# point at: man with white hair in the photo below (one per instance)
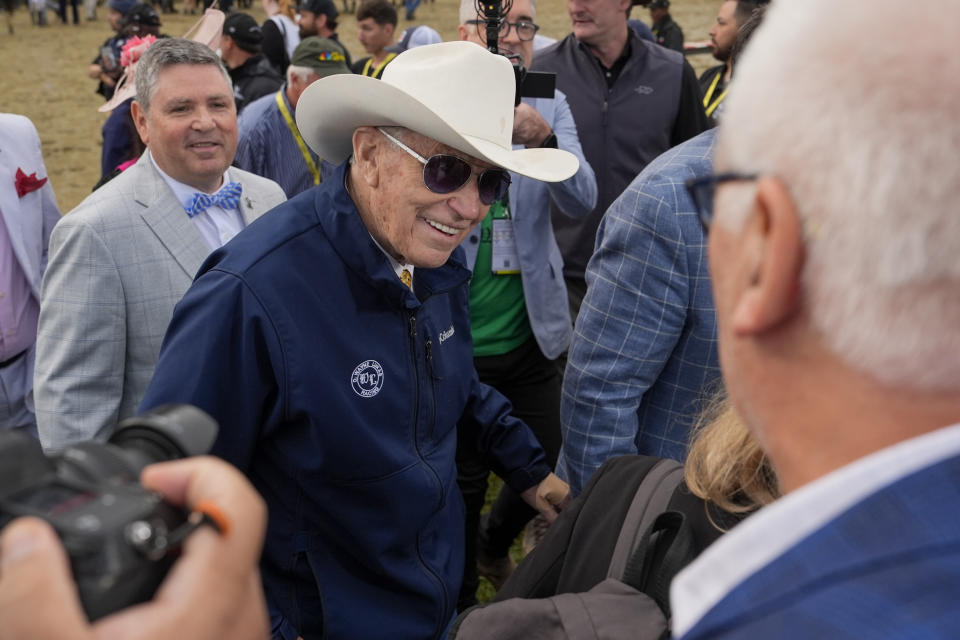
(833, 255)
(332, 344)
(270, 144)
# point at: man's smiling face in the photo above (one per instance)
(191, 127)
(411, 222)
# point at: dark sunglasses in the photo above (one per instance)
(702, 191)
(445, 173)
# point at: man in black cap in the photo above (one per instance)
(667, 32)
(142, 20)
(251, 73)
(319, 18)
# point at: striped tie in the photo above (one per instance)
(227, 198)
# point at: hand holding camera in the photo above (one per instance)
(213, 590)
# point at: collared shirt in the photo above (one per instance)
(398, 267)
(217, 225)
(19, 310)
(774, 529)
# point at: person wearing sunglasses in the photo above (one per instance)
(519, 317)
(332, 343)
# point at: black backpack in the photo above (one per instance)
(604, 568)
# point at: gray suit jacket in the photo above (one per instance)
(118, 265)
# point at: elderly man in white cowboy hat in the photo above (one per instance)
(332, 343)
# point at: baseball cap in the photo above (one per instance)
(318, 7)
(143, 15)
(659, 4)
(244, 30)
(123, 6)
(322, 55)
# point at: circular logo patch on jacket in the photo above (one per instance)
(367, 378)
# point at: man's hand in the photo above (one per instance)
(549, 497)
(213, 590)
(529, 127)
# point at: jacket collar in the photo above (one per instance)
(338, 217)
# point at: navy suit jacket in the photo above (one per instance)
(889, 567)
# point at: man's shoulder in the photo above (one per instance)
(113, 201)
(255, 114)
(12, 123)
(654, 52)
(897, 542)
(255, 183)
(258, 253)
(357, 66)
(712, 72)
(690, 159)
(556, 54)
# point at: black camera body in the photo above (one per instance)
(120, 537)
(529, 84)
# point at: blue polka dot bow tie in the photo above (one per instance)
(227, 197)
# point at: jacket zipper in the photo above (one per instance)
(412, 325)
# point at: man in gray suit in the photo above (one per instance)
(124, 257)
(28, 211)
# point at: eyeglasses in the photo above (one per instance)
(445, 173)
(702, 191)
(525, 30)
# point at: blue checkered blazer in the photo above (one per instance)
(889, 567)
(644, 347)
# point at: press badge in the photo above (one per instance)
(505, 260)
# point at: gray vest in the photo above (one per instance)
(621, 129)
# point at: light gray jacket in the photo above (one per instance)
(118, 265)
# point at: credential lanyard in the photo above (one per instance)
(296, 136)
(379, 68)
(711, 107)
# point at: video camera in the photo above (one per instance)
(530, 84)
(120, 537)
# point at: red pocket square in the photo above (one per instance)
(27, 183)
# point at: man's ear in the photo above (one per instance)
(140, 121)
(462, 32)
(366, 159)
(775, 251)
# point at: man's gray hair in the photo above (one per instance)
(164, 53)
(303, 73)
(468, 10)
(865, 138)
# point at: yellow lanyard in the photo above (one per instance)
(713, 87)
(379, 68)
(296, 136)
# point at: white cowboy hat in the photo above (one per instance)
(457, 93)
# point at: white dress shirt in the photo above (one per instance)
(776, 528)
(217, 225)
(398, 267)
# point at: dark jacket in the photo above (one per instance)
(340, 393)
(253, 79)
(654, 105)
(668, 33)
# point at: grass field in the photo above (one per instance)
(44, 75)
